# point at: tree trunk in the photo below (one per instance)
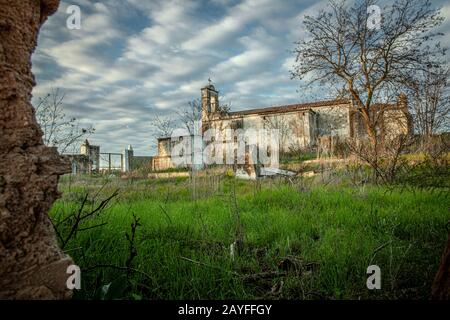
(370, 129)
(31, 264)
(441, 285)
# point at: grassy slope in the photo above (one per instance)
(342, 229)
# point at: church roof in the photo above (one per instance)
(291, 107)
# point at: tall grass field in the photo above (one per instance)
(234, 239)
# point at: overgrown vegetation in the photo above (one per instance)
(303, 238)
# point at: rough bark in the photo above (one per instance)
(441, 285)
(31, 264)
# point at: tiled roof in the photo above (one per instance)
(291, 107)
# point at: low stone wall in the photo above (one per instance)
(162, 163)
(167, 175)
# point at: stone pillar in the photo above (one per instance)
(31, 264)
(128, 158)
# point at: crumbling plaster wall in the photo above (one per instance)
(293, 129)
(31, 264)
(333, 121)
(297, 129)
(164, 147)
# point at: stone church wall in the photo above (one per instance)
(333, 121)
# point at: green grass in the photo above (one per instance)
(339, 230)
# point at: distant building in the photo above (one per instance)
(302, 126)
(87, 161)
(163, 160)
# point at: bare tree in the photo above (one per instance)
(191, 115)
(224, 108)
(370, 61)
(431, 102)
(59, 130)
(163, 126)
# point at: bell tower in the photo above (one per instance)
(210, 100)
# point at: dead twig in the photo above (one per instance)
(78, 217)
(132, 250)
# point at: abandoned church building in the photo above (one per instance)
(316, 126)
(307, 126)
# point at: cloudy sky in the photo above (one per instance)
(133, 59)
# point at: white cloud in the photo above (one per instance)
(236, 20)
(134, 59)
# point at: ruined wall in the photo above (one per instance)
(79, 163)
(297, 129)
(293, 129)
(312, 125)
(395, 122)
(31, 264)
(333, 121)
(253, 122)
(164, 147)
(162, 163)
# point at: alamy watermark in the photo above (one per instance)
(73, 22)
(227, 146)
(74, 280)
(374, 18)
(374, 279)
